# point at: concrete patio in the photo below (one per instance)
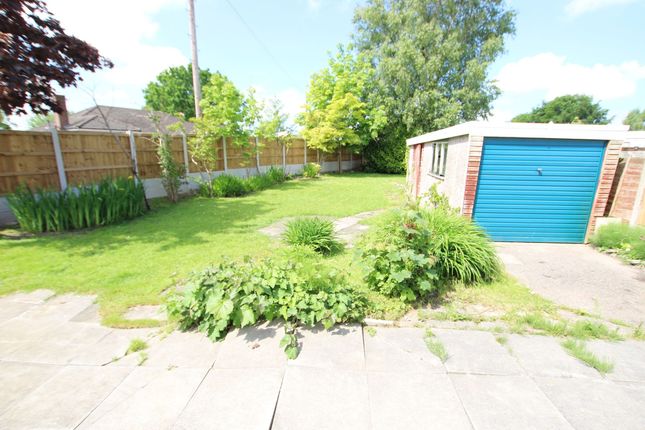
(60, 369)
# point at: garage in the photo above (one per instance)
(520, 182)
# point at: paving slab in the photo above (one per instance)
(232, 399)
(45, 353)
(149, 398)
(24, 330)
(252, 347)
(190, 349)
(59, 308)
(91, 314)
(11, 309)
(628, 358)
(476, 352)
(7, 348)
(507, 402)
(414, 401)
(341, 347)
(34, 297)
(544, 356)
(322, 398)
(19, 379)
(593, 404)
(399, 350)
(111, 347)
(64, 400)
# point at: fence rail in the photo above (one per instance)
(58, 159)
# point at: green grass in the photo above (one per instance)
(136, 345)
(435, 346)
(132, 263)
(628, 240)
(579, 350)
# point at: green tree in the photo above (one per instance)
(274, 124)
(569, 109)
(3, 124)
(338, 112)
(635, 119)
(172, 91)
(40, 120)
(226, 112)
(431, 59)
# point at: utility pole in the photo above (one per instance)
(197, 87)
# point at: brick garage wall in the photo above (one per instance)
(627, 190)
(609, 165)
(472, 174)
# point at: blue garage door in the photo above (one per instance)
(537, 190)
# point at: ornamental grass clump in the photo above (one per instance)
(628, 240)
(415, 253)
(315, 233)
(234, 294)
(229, 186)
(107, 202)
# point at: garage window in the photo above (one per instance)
(439, 156)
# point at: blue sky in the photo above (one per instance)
(561, 46)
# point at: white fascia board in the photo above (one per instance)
(526, 130)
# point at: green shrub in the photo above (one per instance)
(229, 186)
(462, 250)
(241, 294)
(107, 202)
(277, 174)
(311, 170)
(629, 240)
(315, 233)
(258, 183)
(416, 252)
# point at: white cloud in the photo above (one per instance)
(313, 4)
(579, 7)
(554, 76)
(292, 100)
(124, 32)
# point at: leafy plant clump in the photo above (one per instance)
(241, 294)
(628, 240)
(315, 233)
(107, 202)
(229, 186)
(277, 174)
(311, 170)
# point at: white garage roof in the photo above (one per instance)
(526, 130)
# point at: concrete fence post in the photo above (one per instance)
(284, 156)
(184, 146)
(133, 152)
(305, 151)
(225, 154)
(58, 155)
(257, 152)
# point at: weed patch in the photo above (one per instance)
(435, 346)
(579, 350)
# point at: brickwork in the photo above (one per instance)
(472, 174)
(609, 165)
(627, 190)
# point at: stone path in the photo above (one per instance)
(57, 372)
(348, 229)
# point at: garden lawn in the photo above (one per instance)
(134, 262)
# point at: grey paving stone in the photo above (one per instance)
(256, 347)
(544, 356)
(89, 315)
(64, 400)
(594, 404)
(476, 352)
(414, 401)
(149, 398)
(19, 379)
(506, 402)
(231, 399)
(142, 312)
(191, 349)
(628, 358)
(318, 399)
(399, 350)
(59, 308)
(24, 330)
(110, 347)
(45, 353)
(7, 348)
(33, 297)
(11, 309)
(341, 347)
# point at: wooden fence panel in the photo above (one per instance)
(27, 157)
(239, 157)
(296, 152)
(90, 157)
(270, 153)
(147, 158)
